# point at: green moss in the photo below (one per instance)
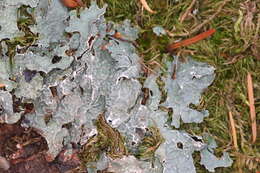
(108, 140)
(149, 144)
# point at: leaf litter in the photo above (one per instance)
(91, 98)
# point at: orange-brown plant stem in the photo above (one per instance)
(251, 106)
(189, 41)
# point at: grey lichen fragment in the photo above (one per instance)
(125, 165)
(126, 58)
(7, 115)
(159, 31)
(135, 126)
(5, 74)
(121, 100)
(52, 131)
(8, 17)
(210, 161)
(43, 60)
(154, 92)
(191, 78)
(178, 148)
(86, 25)
(31, 3)
(129, 164)
(29, 90)
(128, 31)
(8, 20)
(51, 22)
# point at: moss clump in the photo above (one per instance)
(150, 143)
(108, 140)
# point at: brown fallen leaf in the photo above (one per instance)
(233, 129)
(146, 6)
(251, 106)
(72, 3)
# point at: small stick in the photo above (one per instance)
(233, 130)
(189, 41)
(174, 72)
(146, 6)
(251, 106)
(119, 36)
(188, 10)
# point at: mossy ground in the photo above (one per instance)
(233, 50)
(230, 43)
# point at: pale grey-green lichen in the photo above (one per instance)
(191, 78)
(86, 25)
(29, 90)
(209, 160)
(154, 92)
(129, 164)
(8, 17)
(8, 20)
(51, 22)
(42, 60)
(159, 31)
(7, 115)
(5, 74)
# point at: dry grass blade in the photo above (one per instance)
(251, 106)
(186, 13)
(146, 6)
(210, 18)
(233, 129)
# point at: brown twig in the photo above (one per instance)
(233, 129)
(120, 37)
(146, 6)
(174, 72)
(251, 106)
(186, 13)
(210, 18)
